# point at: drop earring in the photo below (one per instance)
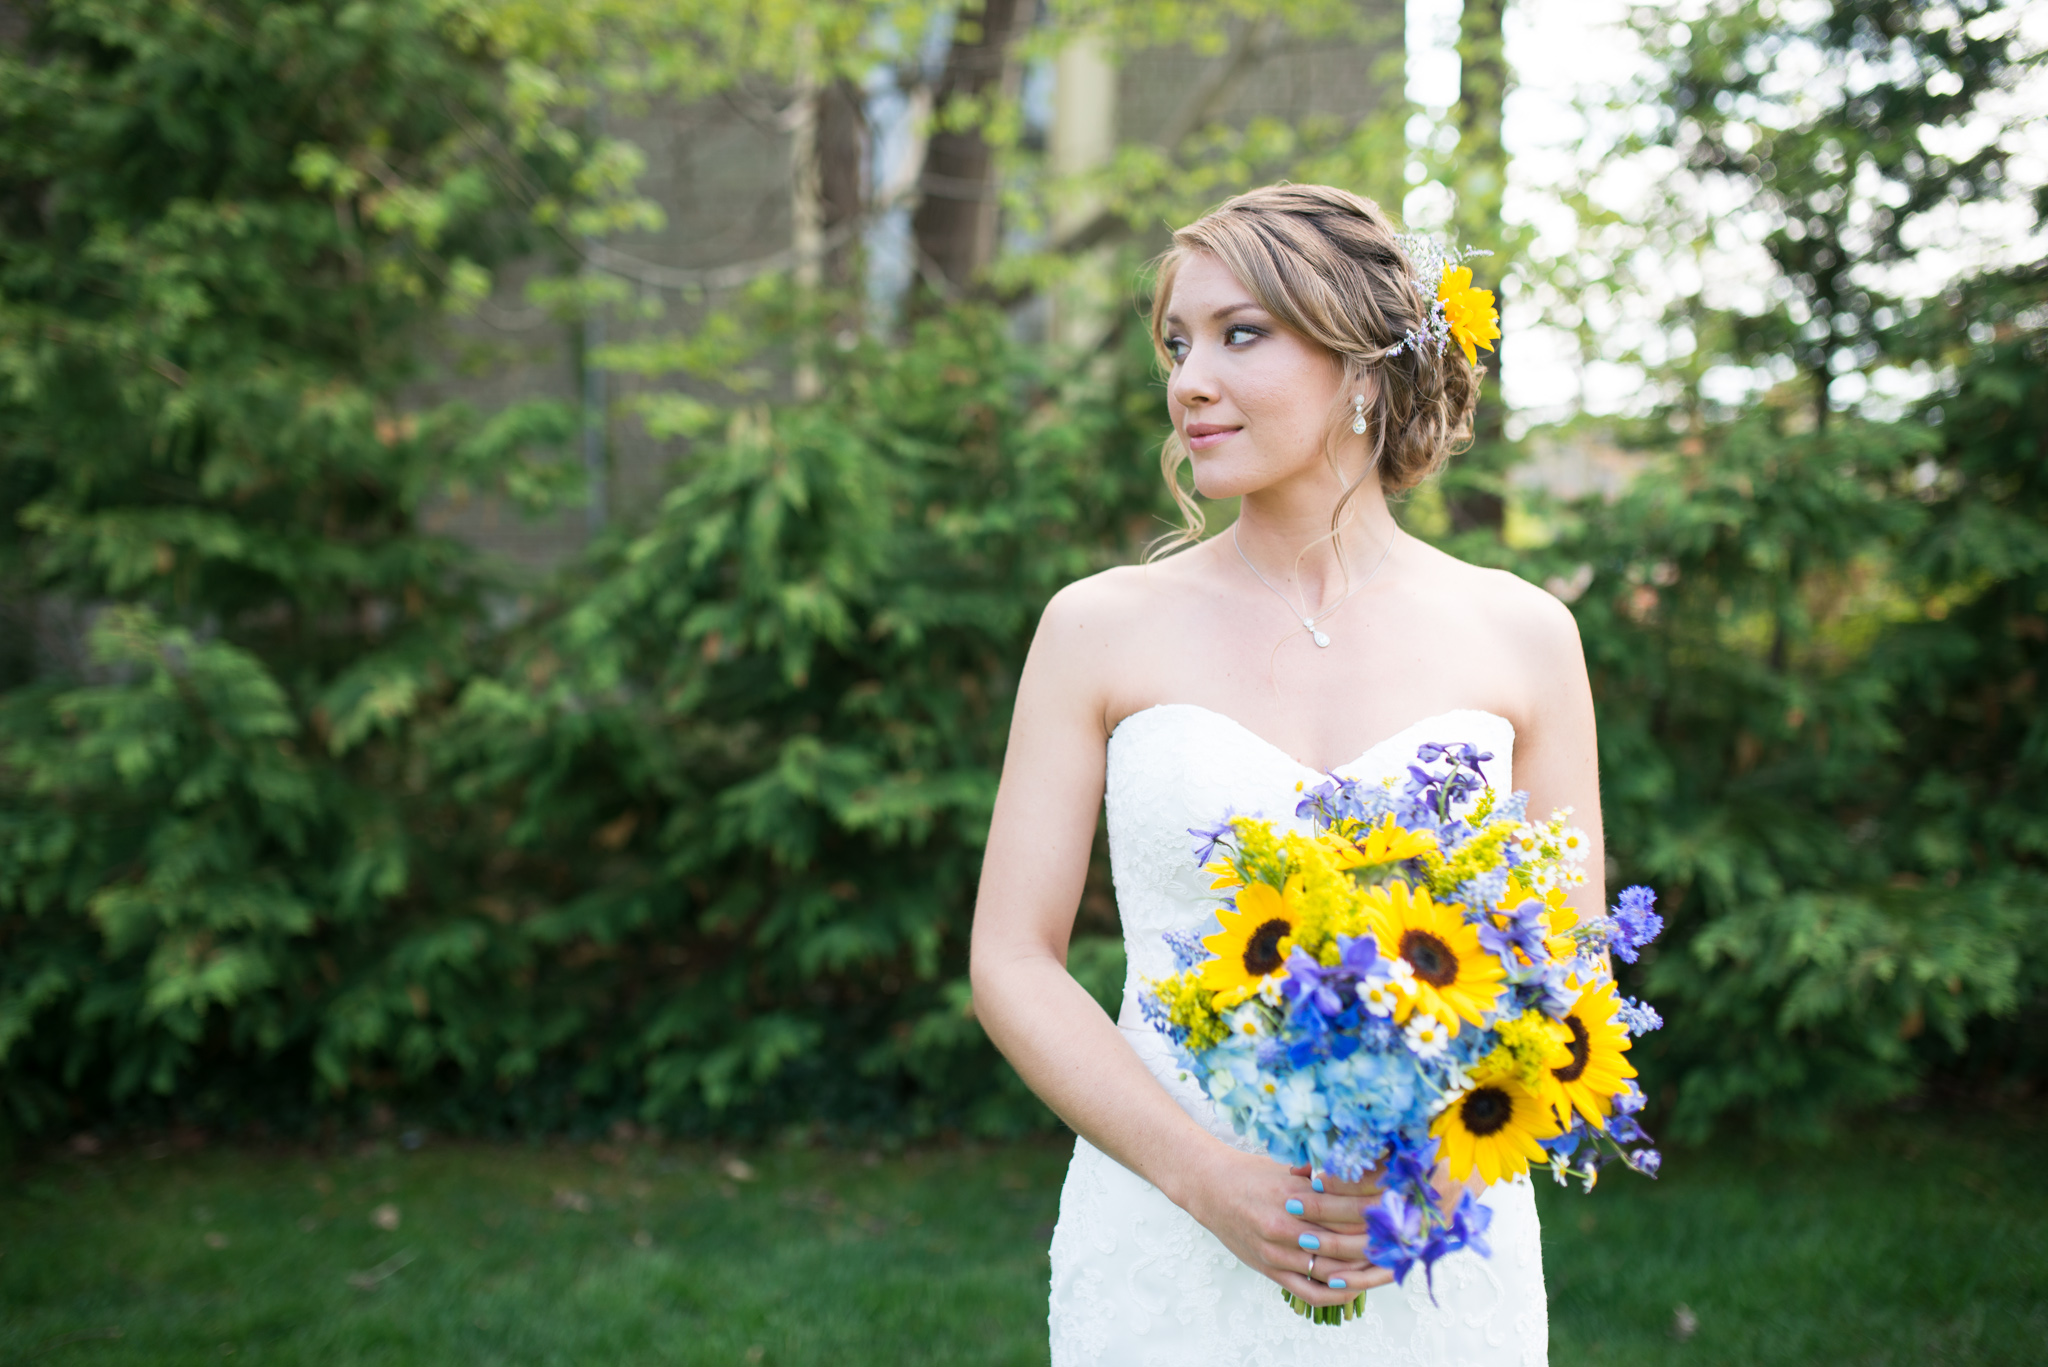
(1358, 414)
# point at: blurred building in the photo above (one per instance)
(722, 170)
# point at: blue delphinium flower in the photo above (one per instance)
(1644, 1161)
(1638, 1018)
(1635, 923)
(1153, 1011)
(1188, 949)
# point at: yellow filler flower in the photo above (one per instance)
(1247, 949)
(1468, 311)
(1454, 976)
(1597, 1070)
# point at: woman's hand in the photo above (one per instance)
(1274, 1219)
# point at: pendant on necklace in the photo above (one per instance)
(1308, 624)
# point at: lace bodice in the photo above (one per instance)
(1135, 1279)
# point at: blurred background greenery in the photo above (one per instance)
(523, 520)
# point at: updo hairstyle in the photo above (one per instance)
(1324, 262)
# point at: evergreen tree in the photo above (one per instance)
(227, 232)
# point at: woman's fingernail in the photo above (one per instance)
(1316, 1182)
(1294, 1207)
(1337, 1283)
(1309, 1241)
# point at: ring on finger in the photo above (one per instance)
(1311, 1267)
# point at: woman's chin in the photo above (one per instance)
(1218, 480)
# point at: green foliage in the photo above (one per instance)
(330, 813)
(1851, 129)
(1817, 659)
(744, 770)
(224, 232)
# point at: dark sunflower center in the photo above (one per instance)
(1582, 1049)
(1486, 1110)
(1433, 961)
(1262, 950)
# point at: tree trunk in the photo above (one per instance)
(842, 175)
(955, 224)
(1476, 502)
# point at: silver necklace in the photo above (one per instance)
(1308, 623)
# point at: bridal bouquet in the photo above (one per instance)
(1405, 985)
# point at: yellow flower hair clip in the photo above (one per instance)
(1458, 312)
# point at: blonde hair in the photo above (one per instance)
(1325, 263)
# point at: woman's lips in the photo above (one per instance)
(1203, 435)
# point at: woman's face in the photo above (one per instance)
(1251, 399)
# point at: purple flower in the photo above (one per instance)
(1470, 1223)
(1312, 987)
(1644, 1161)
(1409, 1166)
(1394, 1234)
(1360, 957)
(1211, 836)
(1635, 922)
(1524, 932)
(1554, 994)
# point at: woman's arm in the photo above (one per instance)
(1060, 1041)
(1557, 749)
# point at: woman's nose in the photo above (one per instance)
(1193, 384)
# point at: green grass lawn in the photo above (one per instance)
(1920, 1241)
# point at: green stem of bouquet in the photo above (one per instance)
(1325, 1314)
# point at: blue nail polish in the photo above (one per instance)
(1336, 1283)
(1316, 1182)
(1309, 1241)
(1294, 1207)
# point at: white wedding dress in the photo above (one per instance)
(1135, 1280)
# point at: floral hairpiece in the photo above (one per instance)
(1457, 312)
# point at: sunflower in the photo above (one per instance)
(1224, 873)
(1469, 312)
(1385, 843)
(1494, 1127)
(1597, 1069)
(1454, 976)
(1247, 949)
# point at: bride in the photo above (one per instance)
(1311, 636)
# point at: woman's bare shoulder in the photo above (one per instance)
(1524, 619)
(1118, 597)
(1096, 631)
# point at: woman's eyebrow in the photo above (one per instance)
(1219, 314)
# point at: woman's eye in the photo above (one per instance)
(1237, 334)
(1176, 348)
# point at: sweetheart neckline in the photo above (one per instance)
(1367, 754)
